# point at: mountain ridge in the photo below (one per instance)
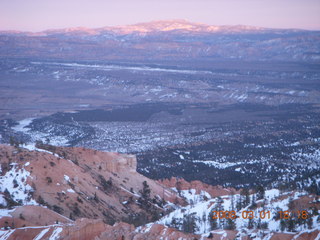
(155, 26)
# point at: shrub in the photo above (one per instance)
(21, 217)
(105, 184)
(15, 183)
(57, 209)
(49, 180)
(41, 200)
(79, 200)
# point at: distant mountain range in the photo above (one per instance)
(179, 25)
(162, 40)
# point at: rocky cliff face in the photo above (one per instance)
(78, 182)
(106, 161)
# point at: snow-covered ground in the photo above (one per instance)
(200, 208)
(22, 125)
(37, 135)
(15, 183)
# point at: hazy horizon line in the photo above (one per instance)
(156, 20)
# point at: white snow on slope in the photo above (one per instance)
(38, 136)
(3, 202)
(15, 181)
(201, 209)
(192, 197)
(119, 67)
(4, 235)
(41, 234)
(67, 178)
(5, 212)
(55, 234)
(22, 125)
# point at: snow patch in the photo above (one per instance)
(22, 125)
(71, 190)
(15, 181)
(55, 234)
(67, 178)
(41, 234)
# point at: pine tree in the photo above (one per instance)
(230, 225)
(291, 225)
(314, 188)
(310, 222)
(265, 225)
(260, 192)
(174, 223)
(232, 200)
(179, 187)
(145, 191)
(253, 202)
(239, 203)
(145, 195)
(219, 206)
(213, 222)
(189, 223)
(96, 197)
(246, 196)
(12, 141)
(291, 203)
(204, 217)
(250, 223)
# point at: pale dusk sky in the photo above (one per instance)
(37, 15)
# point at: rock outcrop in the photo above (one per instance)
(79, 182)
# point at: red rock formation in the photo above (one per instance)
(79, 182)
(84, 229)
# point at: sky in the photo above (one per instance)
(38, 15)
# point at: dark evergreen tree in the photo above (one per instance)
(11, 141)
(145, 194)
(283, 225)
(189, 223)
(219, 203)
(232, 201)
(260, 192)
(291, 204)
(230, 224)
(314, 188)
(250, 223)
(178, 187)
(213, 222)
(219, 207)
(174, 223)
(253, 202)
(291, 225)
(310, 222)
(239, 203)
(265, 225)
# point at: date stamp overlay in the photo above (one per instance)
(259, 215)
